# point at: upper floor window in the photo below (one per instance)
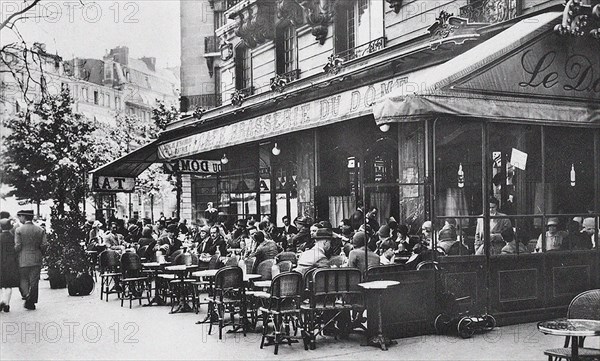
(286, 49)
(243, 67)
(358, 23)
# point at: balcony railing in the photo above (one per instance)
(206, 101)
(490, 11)
(362, 50)
(211, 45)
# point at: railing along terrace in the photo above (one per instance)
(211, 45)
(490, 11)
(362, 50)
(206, 101)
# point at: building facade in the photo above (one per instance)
(424, 110)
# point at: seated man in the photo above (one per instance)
(497, 226)
(448, 243)
(589, 228)
(316, 257)
(386, 251)
(112, 239)
(512, 245)
(356, 259)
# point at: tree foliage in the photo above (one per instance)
(48, 152)
(164, 114)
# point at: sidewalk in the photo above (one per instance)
(85, 328)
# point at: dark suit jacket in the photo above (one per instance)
(29, 240)
(357, 219)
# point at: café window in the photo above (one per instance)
(458, 177)
(243, 68)
(286, 48)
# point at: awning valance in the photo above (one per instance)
(525, 73)
(132, 164)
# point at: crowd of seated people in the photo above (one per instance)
(319, 244)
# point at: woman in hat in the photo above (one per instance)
(554, 237)
(9, 269)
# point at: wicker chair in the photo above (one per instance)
(229, 295)
(585, 305)
(332, 292)
(134, 281)
(264, 269)
(232, 261)
(283, 308)
(109, 273)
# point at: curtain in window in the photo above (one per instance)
(340, 207)
(383, 202)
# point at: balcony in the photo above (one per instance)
(490, 11)
(211, 46)
(206, 101)
(362, 50)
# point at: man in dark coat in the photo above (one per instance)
(299, 240)
(29, 241)
(358, 217)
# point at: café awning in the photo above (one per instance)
(132, 164)
(525, 73)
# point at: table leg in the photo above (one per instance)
(156, 300)
(379, 340)
(575, 348)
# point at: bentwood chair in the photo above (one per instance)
(109, 273)
(285, 298)
(285, 266)
(585, 305)
(229, 295)
(134, 281)
(183, 290)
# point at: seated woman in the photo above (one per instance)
(356, 258)
(512, 245)
(554, 237)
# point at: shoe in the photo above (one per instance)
(29, 306)
(6, 308)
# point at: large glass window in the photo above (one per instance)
(358, 22)
(458, 177)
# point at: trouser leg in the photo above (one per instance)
(30, 277)
(24, 284)
(5, 294)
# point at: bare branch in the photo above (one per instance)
(13, 17)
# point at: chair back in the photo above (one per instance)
(331, 285)
(229, 278)
(231, 261)
(336, 261)
(264, 269)
(131, 265)
(428, 265)
(287, 256)
(109, 260)
(585, 305)
(285, 266)
(286, 292)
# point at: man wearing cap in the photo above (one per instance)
(554, 238)
(316, 257)
(589, 227)
(30, 239)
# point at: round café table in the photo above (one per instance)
(573, 328)
(181, 271)
(377, 288)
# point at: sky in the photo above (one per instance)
(90, 28)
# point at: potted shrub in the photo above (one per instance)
(65, 253)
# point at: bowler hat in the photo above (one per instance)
(552, 221)
(172, 228)
(25, 212)
(324, 233)
(5, 224)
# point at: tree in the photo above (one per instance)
(164, 114)
(49, 150)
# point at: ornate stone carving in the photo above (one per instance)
(255, 22)
(237, 98)
(395, 5)
(580, 20)
(199, 112)
(334, 65)
(319, 15)
(278, 83)
(445, 25)
(490, 11)
(226, 50)
(290, 10)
